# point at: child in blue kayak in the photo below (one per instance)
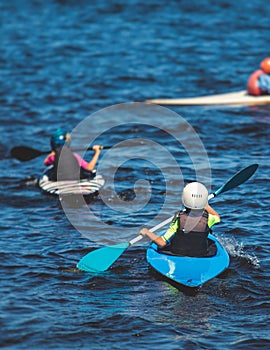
(259, 81)
(188, 232)
(72, 164)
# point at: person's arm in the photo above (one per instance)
(153, 237)
(214, 217)
(91, 165)
(163, 240)
(49, 159)
(211, 211)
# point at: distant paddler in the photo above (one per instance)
(259, 81)
(69, 166)
(257, 93)
(188, 232)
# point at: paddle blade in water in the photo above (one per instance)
(101, 259)
(239, 178)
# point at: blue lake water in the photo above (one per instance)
(65, 63)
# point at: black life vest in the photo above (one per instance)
(66, 165)
(191, 236)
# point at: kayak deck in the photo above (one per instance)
(232, 98)
(189, 271)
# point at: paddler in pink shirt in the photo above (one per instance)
(71, 164)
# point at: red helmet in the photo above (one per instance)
(265, 65)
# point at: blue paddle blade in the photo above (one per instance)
(239, 178)
(101, 259)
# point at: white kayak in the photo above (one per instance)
(85, 187)
(232, 98)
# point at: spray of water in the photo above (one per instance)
(237, 249)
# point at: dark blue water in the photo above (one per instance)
(64, 63)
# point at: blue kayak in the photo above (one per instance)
(189, 271)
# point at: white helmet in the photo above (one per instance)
(195, 196)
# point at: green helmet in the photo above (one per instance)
(59, 138)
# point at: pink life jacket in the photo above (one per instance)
(252, 85)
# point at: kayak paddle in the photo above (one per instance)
(101, 259)
(236, 180)
(25, 153)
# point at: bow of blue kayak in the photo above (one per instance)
(189, 271)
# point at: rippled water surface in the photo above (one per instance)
(63, 63)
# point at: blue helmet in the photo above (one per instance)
(59, 138)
